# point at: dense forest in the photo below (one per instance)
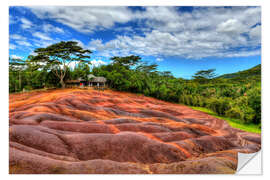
(236, 95)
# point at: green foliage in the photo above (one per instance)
(126, 61)
(238, 97)
(234, 122)
(254, 101)
(234, 112)
(219, 105)
(57, 57)
(204, 75)
(252, 72)
(226, 97)
(81, 70)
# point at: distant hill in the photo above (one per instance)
(254, 72)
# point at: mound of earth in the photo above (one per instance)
(86, 131)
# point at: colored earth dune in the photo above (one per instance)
(74, 131)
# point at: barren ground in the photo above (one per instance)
(87, 131)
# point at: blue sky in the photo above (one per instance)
(182, 40)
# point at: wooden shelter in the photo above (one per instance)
(97, 81)
(92, 81)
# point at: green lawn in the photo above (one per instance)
(233, 122)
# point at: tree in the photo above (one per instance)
(82, 70)
(204, 75)
(144, 67)
(34, 73)
(16, 66)
(58, 57)
(126, 61)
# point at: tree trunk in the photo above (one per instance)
(20, 81)
(63, 85)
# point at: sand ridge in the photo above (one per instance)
(74, 131)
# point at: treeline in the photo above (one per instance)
(26, 75)
(50, 67)
(237, 97)
(227, 97)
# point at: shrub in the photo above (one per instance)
(249, 114)
(220, 105)
(235, 112)
(254, 101)
(27, 87)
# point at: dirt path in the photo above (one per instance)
(87, 131)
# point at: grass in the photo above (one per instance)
(235, 123)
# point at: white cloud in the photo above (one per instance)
(50, 28)
(94, 63)
(72, 64)
(16, 57)
(12, 46)
(17, 37)
(80, 43)
(26, 24)
(159, 59)
(97, 63)
(255, 32)
(23, 43)
(125, 29)
(164, 31)
(232, 26)
(12, 19)
(84, 19)
(42, 36)
(33, 53)
(204, 32)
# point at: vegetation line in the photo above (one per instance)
(235, 123)
(236, 96)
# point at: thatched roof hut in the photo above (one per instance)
(92, 81)
(98, 79)
(95, 79)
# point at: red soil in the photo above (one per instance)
(87, 131)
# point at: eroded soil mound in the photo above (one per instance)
(87, 131)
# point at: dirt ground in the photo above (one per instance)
(106, 132)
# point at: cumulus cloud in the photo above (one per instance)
(84, 19)
(94, 63)
(163, 31)
(232, 26)
(97, 63)
(204, 32)
(255, 32)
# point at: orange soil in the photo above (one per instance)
(87, 131)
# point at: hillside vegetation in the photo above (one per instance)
(236, 95)
(254, 72)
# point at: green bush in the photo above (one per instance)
(254, 101)
(249, 114)
(235, 112)
(219, 105)
(27, 87)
